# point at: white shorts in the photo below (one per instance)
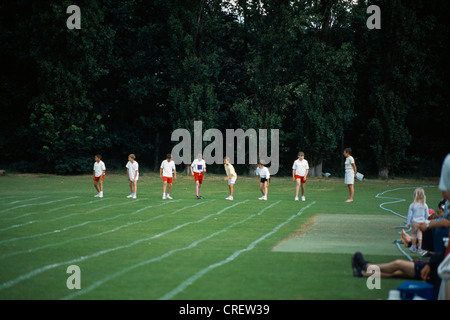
(231, 181)
(349, 177)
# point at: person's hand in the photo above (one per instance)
(225, 179)
(425, 273)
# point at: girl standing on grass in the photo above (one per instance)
(350, 173)
(417, 213)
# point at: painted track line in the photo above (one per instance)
(126, 225)
(163, 256)
(232, 257)
(37, 204)
(38, 271)
(78, 225)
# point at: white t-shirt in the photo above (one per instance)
(300, 167)
(348, 163)
(444, 182)
(198, 166)
(99, 167)
(133, 170)
(263, 172)
(168, 168)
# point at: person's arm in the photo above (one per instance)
(136, 175)
(192, 172)
(174, 173)
(293, 175)
(93, 175)
(128, 174)
(160, 173)
(442, 223)
(354, 168)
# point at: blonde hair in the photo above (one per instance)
(419, 196)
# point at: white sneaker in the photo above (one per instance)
(164, 197)
(100, 195)
(169, 197)
(134, 196)
(296, 199)
(229, 198)
(97, 195)
(303, 198)
(261, 198)
(130, 196)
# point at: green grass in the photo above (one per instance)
(185, 248)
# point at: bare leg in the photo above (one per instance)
(297, 187)
(395, 269)
(351, 191)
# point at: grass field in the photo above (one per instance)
(185, 248)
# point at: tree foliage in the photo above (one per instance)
(137, 70)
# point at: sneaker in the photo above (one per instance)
(200, 197)
(413, 249)
(261, 198)
(164, 197)
(134, 196)
(229, 198)
(358, 264)
(296, 199)
(130, 196)
(422, 252)
(97, 195)
(100, 195)
(303, 198)
(168, 197)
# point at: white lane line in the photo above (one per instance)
(163, 256)
(35, 272)
(250, 247)
(126, 225)
(76, 225)
(37, 204)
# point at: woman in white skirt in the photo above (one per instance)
(350, 173)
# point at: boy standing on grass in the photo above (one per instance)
(231, 176)
(99, 175)
(133, 175)
(264, 176)
(167, 172)
(198, 166)
(300, 171)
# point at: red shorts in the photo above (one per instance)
(168, 179)
(302, 179)
(198, 177)
(98, 178)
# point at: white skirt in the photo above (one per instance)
(349, 177)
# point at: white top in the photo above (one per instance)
(417, 212)
(348, 163)
(198, 166)
(444, 182)
(168, 168)
(263, 172)
(229, 169)
(99, 167)
(300, 167)
(133, 170)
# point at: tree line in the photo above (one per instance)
(137, 70)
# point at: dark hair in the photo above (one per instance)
(301, 153)
(168, 156)
(98, 156)
(348, 150)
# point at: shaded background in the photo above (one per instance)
(137, 70)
